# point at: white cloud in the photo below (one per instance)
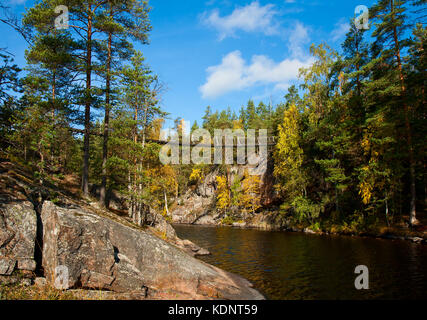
(235, 74)
(250, 18)
(340, 30)
(299, 36)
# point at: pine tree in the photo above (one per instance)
(417, 73)
(141, 93)
(33, 128)
(8, 77)
(120, 21)
(194, 127)
(390, 42)
(50, 57)
(251, 116)
(9, 83)
(292, 97)
(84, 25)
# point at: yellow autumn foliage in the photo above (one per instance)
(288, 156)
(223, 193)
(196, 175)
(250, 197)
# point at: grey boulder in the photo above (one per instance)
(92, 252)
(18, 229)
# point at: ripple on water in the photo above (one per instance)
(299, 266)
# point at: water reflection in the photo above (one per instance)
(299, 266)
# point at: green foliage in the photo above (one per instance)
(8, 77)
(236, 191)
(350, 144)
(305, 209)
(227, 220)
(315, 227)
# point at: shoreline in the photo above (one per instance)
(387, 236)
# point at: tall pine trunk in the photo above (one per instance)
(103, 191)
(52, 114)
(86, 143)
(413, 212)
(133, 185)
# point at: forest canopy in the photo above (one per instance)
(350, 140)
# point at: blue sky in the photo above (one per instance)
(222, 53)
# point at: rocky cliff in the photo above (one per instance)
(198, 207)
(75, 245)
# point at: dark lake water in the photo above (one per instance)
(299, 266)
